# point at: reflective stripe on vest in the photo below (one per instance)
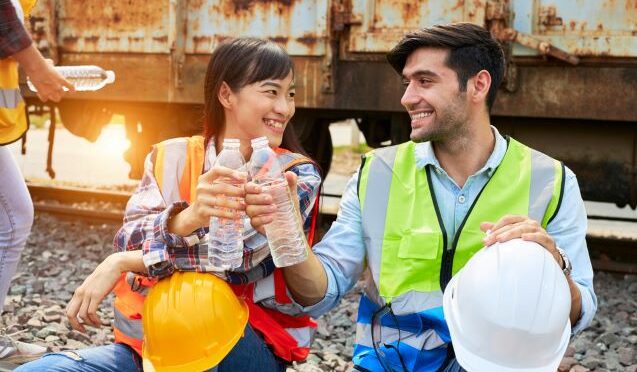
(10, 98)
(178, 164)
(408, 254)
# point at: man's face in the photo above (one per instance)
(432, 97)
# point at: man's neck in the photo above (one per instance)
(463, 156)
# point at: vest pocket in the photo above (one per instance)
(420, 245)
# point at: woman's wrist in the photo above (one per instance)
(182, 223)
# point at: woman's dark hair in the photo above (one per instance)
(240, 62)
(471, 49)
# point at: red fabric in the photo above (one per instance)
(271, 325)
(280, 291)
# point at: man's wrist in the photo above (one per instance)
(565, 262)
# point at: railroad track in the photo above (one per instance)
(610, 251)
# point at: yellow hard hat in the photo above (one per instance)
(191, 322)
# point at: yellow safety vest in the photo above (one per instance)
(13, 120)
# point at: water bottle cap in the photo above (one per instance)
(259, 142)
(231, 142)
(110, 77)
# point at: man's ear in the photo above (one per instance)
(226, 96)
(480, 85)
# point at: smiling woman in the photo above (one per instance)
(248, 93)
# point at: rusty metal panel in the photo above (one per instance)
(299, 25)
(581, 27)
(116, 26)
(383, 22)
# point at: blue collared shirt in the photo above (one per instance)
(342, 251)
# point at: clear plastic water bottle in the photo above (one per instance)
(285, 234)
(225, 237)
(84, 78)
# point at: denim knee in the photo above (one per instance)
(61, 361)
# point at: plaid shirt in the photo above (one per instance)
(146, 227)
(13, 35)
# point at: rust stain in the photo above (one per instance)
(70, 40)
(201, 43)
(279, 39)
(600, 27)
(91, 39)
(572, 25)
(242, 5)
(409, 10)
(161, 39)
(459, 5)
(120, 15)
(308, 40)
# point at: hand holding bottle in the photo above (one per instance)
(260, 206)
(213, 199)
(50, 84)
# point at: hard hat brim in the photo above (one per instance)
(475, 363)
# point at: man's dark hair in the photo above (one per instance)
(471, 49)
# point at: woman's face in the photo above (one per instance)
(261, 109)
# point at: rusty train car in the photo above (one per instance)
(570, 88)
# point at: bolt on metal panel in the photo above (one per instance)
(298, 25)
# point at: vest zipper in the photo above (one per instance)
(446, 268)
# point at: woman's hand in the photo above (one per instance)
(259, 205)
(220, 193)
(88, 296)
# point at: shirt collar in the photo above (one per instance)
(425, 155)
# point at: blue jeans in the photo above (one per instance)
(16, 218)
(250, 354)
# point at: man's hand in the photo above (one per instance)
(513, 226)
(49, 83)
(259, 204)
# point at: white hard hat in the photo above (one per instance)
(508, 310)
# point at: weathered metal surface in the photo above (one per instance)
(43, 27)
(600, 153)
(299, 25)
(582, 92)
(384, 22)
(116, 26)
(581, 27)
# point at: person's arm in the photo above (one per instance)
(166, 232)
(567, 231)
(88, 296)
(15, 42)
(333, 265)
(50, 85)
(568, 228)
(13, 36)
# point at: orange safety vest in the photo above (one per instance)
(289, 336)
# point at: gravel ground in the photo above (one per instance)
(60, 254)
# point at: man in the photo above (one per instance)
(415, 213)
(16, 209)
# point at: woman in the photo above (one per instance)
(249, 93)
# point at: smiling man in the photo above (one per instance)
(415, 213)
